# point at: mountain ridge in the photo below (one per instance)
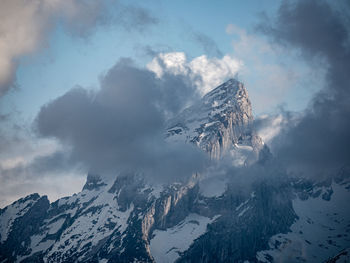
(127, 219)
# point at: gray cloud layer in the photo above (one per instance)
(25, 28)
(319, 141)
(121, 126)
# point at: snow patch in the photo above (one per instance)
(98, 220)
(323, 229)
(166, 245)
(55, 226)
(243, 211)
(10, 213)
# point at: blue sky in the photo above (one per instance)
(66, 60)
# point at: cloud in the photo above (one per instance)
(269, 126)
(52, 186)
(318, 141)
(208, 44)
(18, 145)
(25, 26)
(271, 72)
(205, 73)
(121, 126)
(29, 164)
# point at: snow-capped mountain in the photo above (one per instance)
(219, 123)
(205, 219)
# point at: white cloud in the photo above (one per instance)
(174, 62)
(271, 128)
(205, 73)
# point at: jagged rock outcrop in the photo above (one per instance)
(221, 121)
(342, 257)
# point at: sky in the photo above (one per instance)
(59, 60)
(179, 27)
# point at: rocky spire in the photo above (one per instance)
(220, 122)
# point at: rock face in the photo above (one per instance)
(221, 121)
(205, 219)
(343, 256)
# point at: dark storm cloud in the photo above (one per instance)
(121, 126)
(319, 141)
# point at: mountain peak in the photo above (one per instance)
(220, 121)
(229, 96)
(93, 181)
(230, 87)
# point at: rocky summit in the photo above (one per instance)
(207, 218)
(221, 122)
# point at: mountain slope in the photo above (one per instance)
(211, 217)
(322, 228)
